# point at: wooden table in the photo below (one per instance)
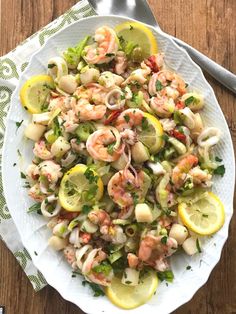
(209, 26)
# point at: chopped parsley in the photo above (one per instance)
(131, 27)
(164, 240)
(165, 137)
(218, 159)
(35, 253)
(144, 123)
(198, 246)
(19, 153)
(97, 290)
(86, 209)
(51, 65)
(18, 124)
(159, 86)
(205, 215)
(104, 268)
(189, 267)
(110, 148)
(110, 54)
(14, 164)
(166, 275)
(90, 194)
(128, 282)
(127, 118)
(22, 175)
(220, 170)
(56, 127)
(35, 208)
(135, 198)
(89, 175)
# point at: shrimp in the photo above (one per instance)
(36, 194)
(104, 144)
(181, 170)
(85, 237)
(155, 62)
(78, 148)
(87, 111)
(62, 102)
(92, 92)
(70, 121)
(166, 83)
(138, 75)
(40, 150)
(105, 47)
(133, 260)
(154, 250)
(200, 176)
(129, 119)
(32, 172)
(114, 234)
(163, 106)
(121, 185)
(99, 217)
(129, 136)
(121, 62)
(50, 170)
(91, 270)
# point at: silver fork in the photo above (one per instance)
(140, 10)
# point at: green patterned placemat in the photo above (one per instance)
(11, 67)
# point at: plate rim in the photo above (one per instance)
(4, 174)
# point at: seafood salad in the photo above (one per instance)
(123, 163)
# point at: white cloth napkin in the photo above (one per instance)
(11, 67)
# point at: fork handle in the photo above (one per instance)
(225, 77)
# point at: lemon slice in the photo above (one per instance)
(204, 217)
(131, 297)
(34, 92)
(151, 135)
(79, 186)
(139, 34)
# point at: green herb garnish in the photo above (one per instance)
(86, 209)
(159, 86)
(218, 159)
(166, 275)
(89, 175)
(110, 54)
(96, 288)
(220, 170)
(104, 268)
(127, 118)
(110, 148)
(18, 124)
(22, 175)
(144, 123)
(198, 246)
(34, 208)
(164, 240)
(51, 65)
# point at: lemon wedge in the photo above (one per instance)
(128, 297)
(79, 186)
(151, 135)
(204, 217)
(139, 34)
(34, 92)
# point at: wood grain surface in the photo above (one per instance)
(209, 26)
